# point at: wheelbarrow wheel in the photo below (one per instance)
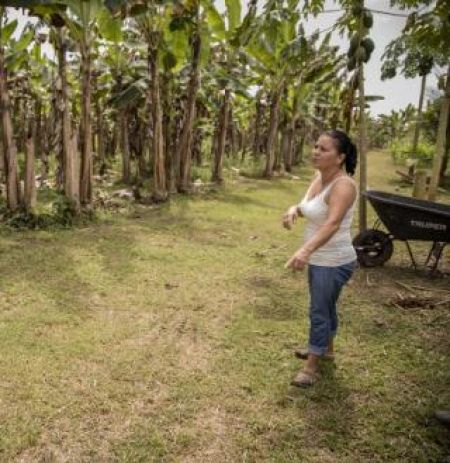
(373, 248)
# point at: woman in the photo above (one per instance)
(328, 209)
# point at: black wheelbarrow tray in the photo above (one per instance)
(405, 219)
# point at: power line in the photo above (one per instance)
(330, 11)
(388, 13)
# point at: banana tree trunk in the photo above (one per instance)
(199, 133)
(125, 148)
(9, 146)
(115, 136)
(23, 117)
(232, 132)
(55, 128)
(30, 175)
(141, 150)
(298, 150)
(185, 144)
(62, 104)
(419, 115)
(177, 128)
(73, 169)
(100, 137)
(39, 141)
(273, 130)
(441, 140)
(167, 128)
(286, 144)
(291, 145)
(97, 134)
(243, 144)
(86, 126)
(258, 123)
(197, 146)
(221, 138)
(2, 156)
(159, 168)
(46, 147)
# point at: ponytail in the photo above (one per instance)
(345, 146)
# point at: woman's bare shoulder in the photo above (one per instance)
(316, 179)
(345, 186)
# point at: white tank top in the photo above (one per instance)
(338, 250)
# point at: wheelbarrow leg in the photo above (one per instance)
(411, 255)
(436, 252)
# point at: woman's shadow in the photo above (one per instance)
(327, 408)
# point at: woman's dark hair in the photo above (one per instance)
(345, 146)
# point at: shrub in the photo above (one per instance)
(401, 151)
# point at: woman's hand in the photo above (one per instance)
(299, 260)
(290, 217)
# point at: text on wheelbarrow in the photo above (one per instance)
(434, 226)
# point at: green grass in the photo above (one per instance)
(166, 334)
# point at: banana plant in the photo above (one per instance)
(283, 55)
(161, 53)
(169, 32)
(191, 18)
(36, 69)
(82, 28)
(280, 52)
(231, 34)
(151, 20)
(12, 55)
(81, 19)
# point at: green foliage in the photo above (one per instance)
(63, 211)
(403, 54)
(8, 30)
(109, 27)
(428, 29)
(401, 151)
(233, 13)
(61, 215)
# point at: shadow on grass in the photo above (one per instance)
(276, 302)
(59, 266)
(241, 200)
(327, 409)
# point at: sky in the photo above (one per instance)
(398, 92)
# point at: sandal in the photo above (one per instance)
(304, 379)
(302, 353)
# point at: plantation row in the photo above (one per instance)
(161, 86)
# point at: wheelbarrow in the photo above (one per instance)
(406, 219)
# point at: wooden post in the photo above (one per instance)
(441, 140)
(420, 184)
(362, 139)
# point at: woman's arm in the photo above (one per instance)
(341, 198)
(291, 216)
(294, 212)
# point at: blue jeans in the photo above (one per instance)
(325, 285)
